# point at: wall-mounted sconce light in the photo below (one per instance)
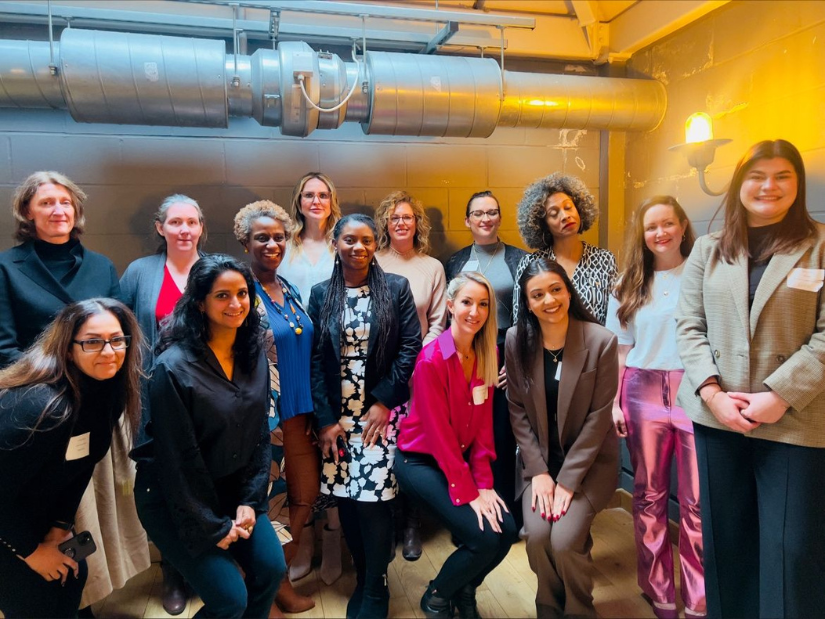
(700, 147)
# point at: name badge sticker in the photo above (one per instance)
(78, 447)
(558, 371)
(479, 394)
(806, 279)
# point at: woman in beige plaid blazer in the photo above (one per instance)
(751, 331)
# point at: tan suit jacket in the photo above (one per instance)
(589, 379)
(778, 344)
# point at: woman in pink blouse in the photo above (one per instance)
(446, 446)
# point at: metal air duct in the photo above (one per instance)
(145, 79)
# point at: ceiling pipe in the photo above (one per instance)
(144, 79)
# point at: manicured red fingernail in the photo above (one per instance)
(543, 515)
(534, 509)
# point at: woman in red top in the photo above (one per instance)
(446, 446)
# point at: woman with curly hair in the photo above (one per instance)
(642, 315)
(366, 339)
(263, 229)
(204, 469)
(61, 403)
(403, 247)
(552, 214)
(403, 243)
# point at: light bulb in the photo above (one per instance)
(698, 128)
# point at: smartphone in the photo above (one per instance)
(79, 547)
(343, 450)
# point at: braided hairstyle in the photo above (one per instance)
(333, 305)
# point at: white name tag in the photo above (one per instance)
(470, 265)
(558, 371)
(78, 447)
(806, 279)
(480, 394)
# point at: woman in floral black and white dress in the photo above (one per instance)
(367, 338)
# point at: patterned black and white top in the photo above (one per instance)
(368, 475)
(593, 278)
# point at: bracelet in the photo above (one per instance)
(710, 399)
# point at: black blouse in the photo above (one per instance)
(38, 486)
(552, 363)
(208, 442)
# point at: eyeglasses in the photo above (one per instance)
(119, 342)
(397, 219)
(309, 196)
(479, 215)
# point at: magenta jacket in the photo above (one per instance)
(445, 422)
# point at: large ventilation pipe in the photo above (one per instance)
(144, 79)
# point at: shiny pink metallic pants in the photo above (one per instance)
(656, 430)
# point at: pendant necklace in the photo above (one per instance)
(490, 261)
(557, 355)
(664, 280)
(294, 324)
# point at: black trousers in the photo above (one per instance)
(480, 551)
(25, 593)
(368, 530)
(763, 526)
(504, 466)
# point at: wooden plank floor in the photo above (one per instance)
(509, 591)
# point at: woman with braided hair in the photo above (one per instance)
(367, 337)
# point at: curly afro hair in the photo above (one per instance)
(531, 212)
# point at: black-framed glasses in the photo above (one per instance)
(493, 213)
(119, 342)
(309, 196)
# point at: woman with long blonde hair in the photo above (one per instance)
(446, 446)
(641, 314)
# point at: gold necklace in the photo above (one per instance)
(295, 324)
(557, 355)
(490, 261)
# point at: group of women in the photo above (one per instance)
(489, 395)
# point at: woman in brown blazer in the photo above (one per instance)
(562, 369)
(751, 333)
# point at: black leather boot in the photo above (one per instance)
(356, 599)
(376, 602)
(411, 550)
(435, 606)
(174, 589)
(464, 602)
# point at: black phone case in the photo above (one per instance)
(79, 547)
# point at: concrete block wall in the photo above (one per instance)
(758, 69)
(128, 170)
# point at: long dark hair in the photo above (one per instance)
(797, 225)
(48, 362)
(188, 325)
(633, 289)
(528, 331)
(333, 305)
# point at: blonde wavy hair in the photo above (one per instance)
(421, 240)
(484, 342)
(298, 216)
